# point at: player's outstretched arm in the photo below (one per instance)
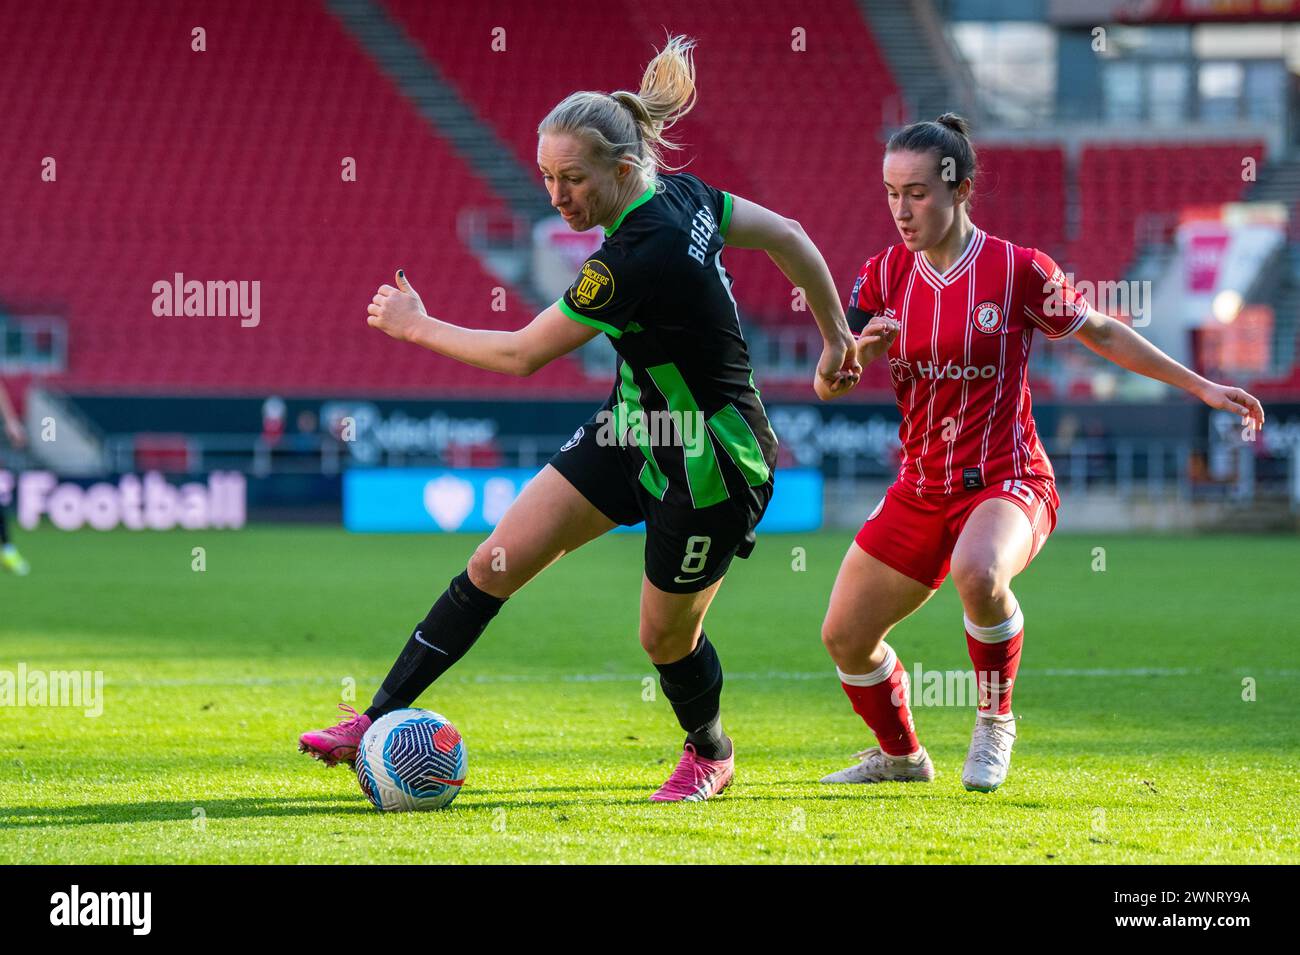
(1115, 341)
(785, 242)
(399, 313)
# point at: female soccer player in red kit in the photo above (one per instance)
(955, 310)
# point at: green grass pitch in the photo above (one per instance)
(1135, 741)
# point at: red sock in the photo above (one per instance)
(995, 652)
(880, 698)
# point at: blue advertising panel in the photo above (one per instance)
(434, 500)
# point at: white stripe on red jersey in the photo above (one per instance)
(960, 364)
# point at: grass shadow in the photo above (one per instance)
(110, 813)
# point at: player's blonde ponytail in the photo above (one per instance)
(629, 127)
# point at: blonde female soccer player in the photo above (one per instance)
(682, 443)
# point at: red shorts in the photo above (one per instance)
(915, 535)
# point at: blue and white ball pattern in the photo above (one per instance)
(411, 760)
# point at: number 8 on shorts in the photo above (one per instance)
(697, 553)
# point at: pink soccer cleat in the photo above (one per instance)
(696, 778)
(338, 744)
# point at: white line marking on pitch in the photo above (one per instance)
(775, 675)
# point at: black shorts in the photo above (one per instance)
(686, 549)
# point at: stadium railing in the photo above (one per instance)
(1128, 469)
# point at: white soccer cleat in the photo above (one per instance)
(990, 754)
(877, 766)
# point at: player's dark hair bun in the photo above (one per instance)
(956, 123)
(948, 138)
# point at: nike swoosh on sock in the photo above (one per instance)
(430, 645)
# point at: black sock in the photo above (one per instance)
(4, 529)
(693, 685)
(458, 619)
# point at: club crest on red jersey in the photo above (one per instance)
(988, 317)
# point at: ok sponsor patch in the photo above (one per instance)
(594, 287)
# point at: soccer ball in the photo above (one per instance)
(411, 760)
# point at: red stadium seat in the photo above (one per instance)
(800, 133)
(225, 165)
(1116, 180)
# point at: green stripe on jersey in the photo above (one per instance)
(609, 330)
(726, 213)
(651, 477)
(738, 440)
(703, 476)
(638, 201)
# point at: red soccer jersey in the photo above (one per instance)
(960, 364)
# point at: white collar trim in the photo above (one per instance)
(955, 271)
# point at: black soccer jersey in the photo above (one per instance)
(684, 402)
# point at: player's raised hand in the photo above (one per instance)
(838, 369)
(396, 311)
(876, 339)
(1237, 400)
